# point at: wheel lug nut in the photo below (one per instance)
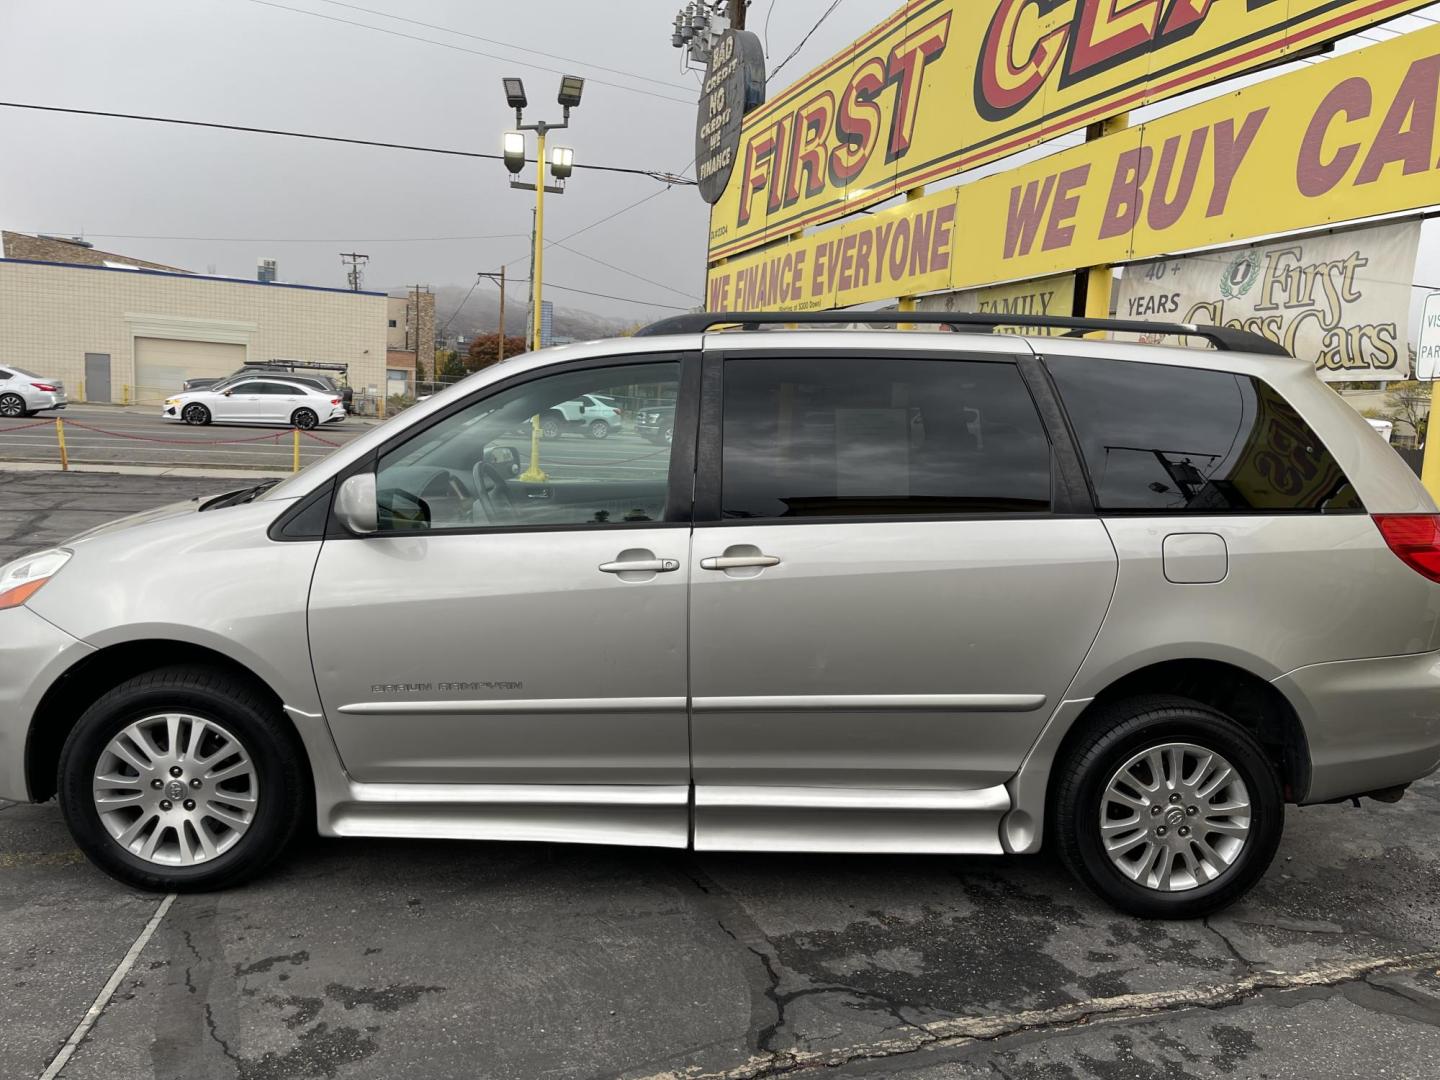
(1153, 810)
(165, 804)
(1192, 810)
(1175, 797)
(190, 805)
(176, 771)
(195, 783)
(1161, 831)
(1184, 830)
(157, 783)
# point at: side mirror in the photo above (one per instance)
(227, 393)
(355, 504)
(504, 459)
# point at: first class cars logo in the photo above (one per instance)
(1028, 40)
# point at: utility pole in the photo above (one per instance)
(737, 14)
(356, 272)
(499, 279)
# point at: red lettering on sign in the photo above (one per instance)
(1407, 134)
(1127, 198)
(944, 225)
(899, 249)
(1185, 15)
(1230, 151)
(1109, 30)
(906, 69)
(1027, 208)
(1004, 78)
(1061, 229)
(1315, 177)
(761, 153)
(809, 143)
(1165, 209)
(857, 124)
(862, 258)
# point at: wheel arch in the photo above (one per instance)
(1250, 700)
(96, 673)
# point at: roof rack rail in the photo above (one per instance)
(1222, 337)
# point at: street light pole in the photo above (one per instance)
(538, 276)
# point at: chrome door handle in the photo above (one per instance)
(641, 566)
(733, 562)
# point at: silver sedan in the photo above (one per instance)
(23, 392)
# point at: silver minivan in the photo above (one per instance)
(883, 591)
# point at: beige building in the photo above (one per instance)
(114, 329)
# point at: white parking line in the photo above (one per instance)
(107, 992)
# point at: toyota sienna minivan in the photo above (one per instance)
(882, 591)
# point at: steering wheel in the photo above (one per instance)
(493, 494)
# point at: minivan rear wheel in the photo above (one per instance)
(181, 779)
(1167, 808)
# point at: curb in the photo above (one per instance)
(146, 470)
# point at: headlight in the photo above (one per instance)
(22, 578)
(172, 401)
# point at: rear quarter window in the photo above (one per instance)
(1174, 440)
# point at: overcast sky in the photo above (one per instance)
(232, 198)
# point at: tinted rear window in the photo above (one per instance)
(886, 436)
(1170, 440)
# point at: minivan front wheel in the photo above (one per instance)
(1167, 808)
(181, 779)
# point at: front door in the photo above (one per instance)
(886, 605)
(514, 634)
(240, 402)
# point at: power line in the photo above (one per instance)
(663, 177)
(461, 48)
(795, 51)
(469, 294)
(629, 273)
(505, 44)
(286, 239)
(608, 296)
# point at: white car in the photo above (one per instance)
(592, 415)
(268, 400)
(23, 392)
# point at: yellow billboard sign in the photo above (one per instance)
(942, 86)
(1349, 138)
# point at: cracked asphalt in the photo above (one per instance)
(368, 959)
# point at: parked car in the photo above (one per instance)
(590, 415)
(256, 401)
(656, 425)
(324, 383)
(893, 592)
(23, 393)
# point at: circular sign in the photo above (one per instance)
(734, 84)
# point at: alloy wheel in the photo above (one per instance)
(175, 789)
(12, 405)
(1174, 817)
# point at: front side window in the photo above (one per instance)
(475, 468)
(1162, 439)
(845, 437)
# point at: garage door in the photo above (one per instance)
(163, 365)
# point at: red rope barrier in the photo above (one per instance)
(275, 436)
(317, 438)
(22, 427)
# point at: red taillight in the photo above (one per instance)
(1415, 538)
(45, 387)
(334, 401)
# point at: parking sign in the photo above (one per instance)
(1427, 349)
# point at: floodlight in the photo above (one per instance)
(514, 150)
(515, 93)
(571, 87)
(562, 162)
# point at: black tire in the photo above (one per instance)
(304, 419)
(195, 414)
(599, 429)
(1115, 734)
(550, 427)
(274, 750)
(12, 406)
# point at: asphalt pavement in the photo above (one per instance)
(370, 959)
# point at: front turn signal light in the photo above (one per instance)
(23, 578)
